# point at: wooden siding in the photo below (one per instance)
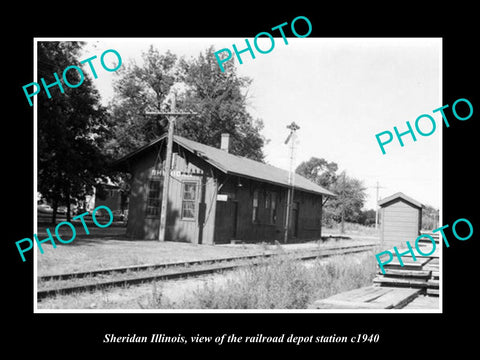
(309, 215)
(216, 220)
(138, 225)
(400, 223)
(185, 168)
(234, 217)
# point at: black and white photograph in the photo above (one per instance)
(262, 186)
(316, 187)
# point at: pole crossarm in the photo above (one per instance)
(171, 113)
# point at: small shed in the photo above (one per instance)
(401, 220)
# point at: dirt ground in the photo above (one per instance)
(109, 247)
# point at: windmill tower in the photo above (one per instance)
(292, 138)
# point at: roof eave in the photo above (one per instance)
(402, 196)
(327, 193)
(124, 160)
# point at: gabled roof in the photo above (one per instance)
(237, 165)
(399, 195)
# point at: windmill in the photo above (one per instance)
(292, 138)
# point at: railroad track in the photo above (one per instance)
(137, 274)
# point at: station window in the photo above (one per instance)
(154, 197)
(189, 200)
(273, 208)
(255, 206)
(267, 199)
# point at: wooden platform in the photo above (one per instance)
(370, 297)
(415, 285)
(423, 302)
(422, 273)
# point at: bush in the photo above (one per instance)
(352, 229)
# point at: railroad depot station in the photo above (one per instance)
(216, 197)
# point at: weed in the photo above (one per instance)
(156, 299)
(284, 283)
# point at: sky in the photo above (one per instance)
(341, 92)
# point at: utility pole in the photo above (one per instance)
(376, 207)
(291, 176)
(342, 229)
(172, 117)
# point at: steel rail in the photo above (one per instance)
(177, 270)
(82, 274)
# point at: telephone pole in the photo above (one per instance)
(291, 176)
(172, 117)
(376, 207)
(342, 228)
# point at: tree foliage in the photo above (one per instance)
(217, 98)
(139, 89)
(349, 201)
(350, 192)
(71, 129)
(367, 217)
(430, 218)
(319, 171)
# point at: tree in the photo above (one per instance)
(319, 171)
(350, 191)
(350, 198)
(367, 217)
(430, 217)
(138, 89)
(217, 98)
(71, 130)
(221, 105)
(347, 205)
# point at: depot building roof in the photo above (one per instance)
(235, 165)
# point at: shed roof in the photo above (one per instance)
(237, 165)
(399, 195)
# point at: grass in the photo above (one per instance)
(282, 284)
(97, 253)
(106, 248)
(351, 229)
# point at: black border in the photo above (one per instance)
(399, 333)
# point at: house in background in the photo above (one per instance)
(112, 196)
(216, 197)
